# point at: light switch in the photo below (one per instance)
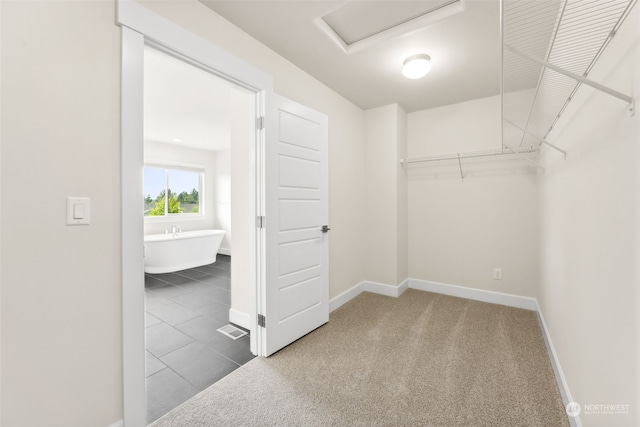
(78, 210)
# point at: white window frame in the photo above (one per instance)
(171, 165)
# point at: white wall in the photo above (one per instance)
(402, 201)
(222, 194)
(381, 192)
(161, 151)
(61, 286)
(461, 230)
(590, 236)
(242, 125)
(385, 207)
(0, 226)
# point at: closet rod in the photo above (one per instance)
(472, 154)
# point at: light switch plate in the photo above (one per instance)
(78, 210)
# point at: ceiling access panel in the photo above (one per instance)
(361, 24)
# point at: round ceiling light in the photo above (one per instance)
(416, 66)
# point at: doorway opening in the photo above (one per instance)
(141, 28)
(288, 244)
(198, 132)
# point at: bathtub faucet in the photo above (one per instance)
(175, 230)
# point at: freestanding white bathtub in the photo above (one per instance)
(164, 253)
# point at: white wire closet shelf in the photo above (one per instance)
(548, 50)
(456, 158)
(471, 155)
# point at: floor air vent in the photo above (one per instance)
(232, 332)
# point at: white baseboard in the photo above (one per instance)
(345, 297)
(365, 285)
(557, 369)
(510, 300)
(403, 286)
(119, 423)
(224, 251)
(381, 288)
(239, 318)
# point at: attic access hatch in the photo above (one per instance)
(360, 24)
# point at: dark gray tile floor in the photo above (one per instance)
(185, 352)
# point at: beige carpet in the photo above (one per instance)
(421, 359)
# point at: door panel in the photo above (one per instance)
(297, 214)
(299, 296)
(299, 173)
(297, 130)
(296, 207)
(300, 255)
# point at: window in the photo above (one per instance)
(183, 186)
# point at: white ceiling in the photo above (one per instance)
(184, 105)
(464, 48)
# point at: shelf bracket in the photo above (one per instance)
(540, 140)
(460, 165)
(575, 77)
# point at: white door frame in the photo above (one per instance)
(141, 27)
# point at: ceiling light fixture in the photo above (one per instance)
(416, 66)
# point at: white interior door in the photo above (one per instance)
(296, 299)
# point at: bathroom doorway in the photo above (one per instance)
(198, 133)
(284, 120)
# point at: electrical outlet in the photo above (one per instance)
(497, 274)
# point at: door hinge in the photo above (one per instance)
(260, 222)
(260, 123)
(262, 321)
